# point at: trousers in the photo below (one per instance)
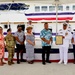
(74, 51)
(20, 50)
(10, 53)
(63, 54)
(45, 50)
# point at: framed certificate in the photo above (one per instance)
(59, 40)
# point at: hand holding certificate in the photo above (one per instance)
(59, 40)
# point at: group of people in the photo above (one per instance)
(10, 41)
(46, 37)
(18, 39)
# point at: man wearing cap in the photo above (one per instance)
(20, 39)
(10, 46)
(63, 49)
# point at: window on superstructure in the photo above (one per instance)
(44, 8)
(73, 7)
(60, 8)
(37, 8)
(51, 8)
(67, 7)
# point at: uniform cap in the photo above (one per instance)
(64, 24)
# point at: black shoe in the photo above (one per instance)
(18, 62)
(43, 63)
(48, 61)
(23, 60)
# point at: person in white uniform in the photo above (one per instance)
(73, 42)
(30, 25)
(69, 26)
(63, 49)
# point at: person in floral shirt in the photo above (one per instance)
(1, 47)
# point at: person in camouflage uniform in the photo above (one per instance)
(10, 46)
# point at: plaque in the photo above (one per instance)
(59, 40)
